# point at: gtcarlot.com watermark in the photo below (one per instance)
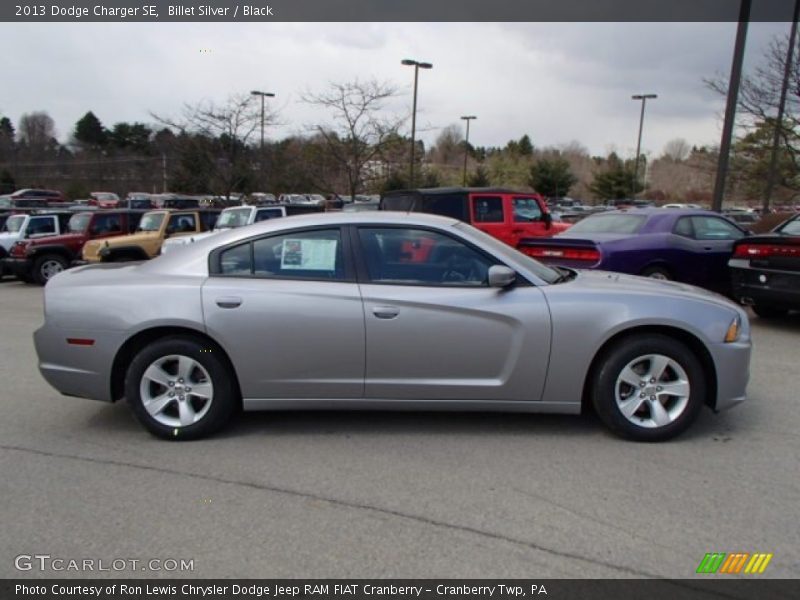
(47, 562)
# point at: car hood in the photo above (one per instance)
(124, 240)
(58, 239)
(606, 281)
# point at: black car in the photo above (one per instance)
(765, 270)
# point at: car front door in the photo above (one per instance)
(287, 309)
(715, 237)
(435, 330)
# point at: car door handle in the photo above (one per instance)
(385, 312)
(229, 302)
(707, 248)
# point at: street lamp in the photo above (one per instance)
(261, 156)
(417, 66)
(644, 98)
(467, 118)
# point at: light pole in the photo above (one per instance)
(468, 118)
(417, 66)
(261, 151)
(644, 98)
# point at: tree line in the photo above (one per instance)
(215, 148)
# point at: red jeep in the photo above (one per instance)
(505, 214)
(37, 260)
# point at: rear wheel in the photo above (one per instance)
(649, 388)
(48, 266)
(180, 388)
(769, 312)
(657, 273)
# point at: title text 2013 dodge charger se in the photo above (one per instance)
(386, 311)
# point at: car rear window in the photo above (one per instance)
(609, 224)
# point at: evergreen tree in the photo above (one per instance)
(551, 177)
(89, 132)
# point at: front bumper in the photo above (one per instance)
(16, 266)
(732, 363)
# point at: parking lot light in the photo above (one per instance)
(417, 66)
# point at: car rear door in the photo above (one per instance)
(287, 309)
(435, 330)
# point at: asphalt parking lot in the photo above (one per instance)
(396, 495)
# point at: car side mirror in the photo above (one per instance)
(501, 276)
(547, 219)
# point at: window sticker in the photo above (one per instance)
(309, 255)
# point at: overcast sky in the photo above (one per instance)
(557, 82)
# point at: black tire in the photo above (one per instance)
(224, 399)
(769, 312)
(41, 274)
(614, 361)
(657, 272)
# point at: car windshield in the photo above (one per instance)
(233, 218)
(621, 223)
(542, 271)
(14, 224)
(151, 222)
(791, 228)
(78, 223)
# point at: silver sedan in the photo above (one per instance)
(386, 311)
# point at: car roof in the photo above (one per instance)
(656, 210)
(456, 190)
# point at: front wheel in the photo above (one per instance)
(657, 273)
(180, 388)
(649, 388)
(48, 266)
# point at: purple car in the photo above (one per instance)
(692, 246)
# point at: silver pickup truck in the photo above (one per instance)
(230, 218)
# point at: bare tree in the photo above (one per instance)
(36, 130)
(760, 92)
(449, 147)
(359, 132)
(217, 136)
(677, 150)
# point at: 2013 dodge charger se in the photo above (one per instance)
(386, 311)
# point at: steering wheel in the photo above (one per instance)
(461, 270)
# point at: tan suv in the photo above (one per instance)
(154, 228)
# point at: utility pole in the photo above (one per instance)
(730, 107)
(417, 66)
(787, 71)
(261, 148)
(466, 144)
(644, 98)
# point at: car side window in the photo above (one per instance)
(487, 209)
(41, 225)
(107, 223)
(181, 224)
(269, 213)
(714, 228)
(684, 227)
(315, 254)
(421, 257)
(526, 210)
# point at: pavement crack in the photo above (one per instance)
(343, 504)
